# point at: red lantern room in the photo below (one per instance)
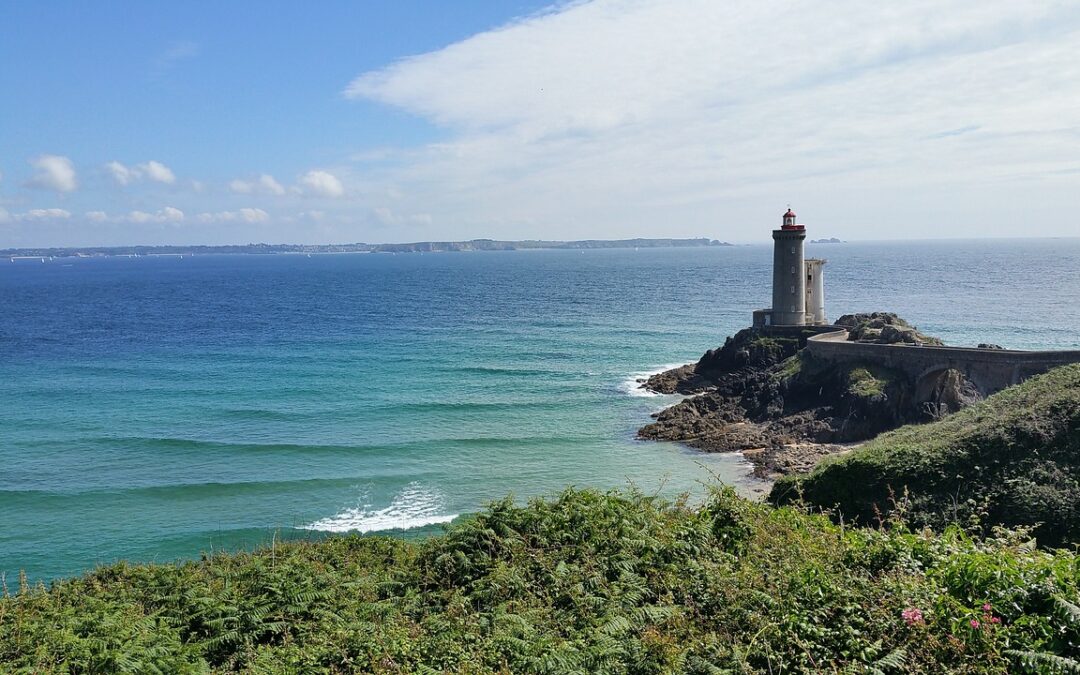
(789, 222)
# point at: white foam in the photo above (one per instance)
(631, 386)
(414, 506)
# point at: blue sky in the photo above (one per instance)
(200, 122)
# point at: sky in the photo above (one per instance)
(333, 122)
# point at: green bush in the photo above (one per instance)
(586, 582)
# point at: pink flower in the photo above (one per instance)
(912, 616)
(986, 607)
(995, 619)
(974, 623)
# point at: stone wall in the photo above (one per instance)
(991, 370)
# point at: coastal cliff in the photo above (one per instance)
(769, 398)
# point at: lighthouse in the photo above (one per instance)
(798, 289)
(789, 276)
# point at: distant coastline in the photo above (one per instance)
(415, 247)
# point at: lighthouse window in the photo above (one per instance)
(792, 290)
(792, 250)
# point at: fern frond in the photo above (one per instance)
(1043, 662)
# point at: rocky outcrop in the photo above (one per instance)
(883, 328)
(745, 352)
(770, 399)
(946, 393)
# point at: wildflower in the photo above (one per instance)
(974, 623)
(986, 607)
(912, 616)
(995, 619)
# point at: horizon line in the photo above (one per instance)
(718, 242)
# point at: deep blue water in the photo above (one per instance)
(154, 408)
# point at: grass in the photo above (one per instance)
(791, 366)
(585, 582)
(863, 383)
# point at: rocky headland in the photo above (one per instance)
(768, 398)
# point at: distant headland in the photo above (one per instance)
(414, 247)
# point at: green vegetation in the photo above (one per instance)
(583, 583)
(771, 349)
(1013, 459)
(791, 366)
(864, 384)
(765, 343)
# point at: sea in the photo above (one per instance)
(163, 408)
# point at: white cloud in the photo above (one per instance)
(632, 114)
(265, 184)
(321, 184)
(153, 170)
(96, 216)
(120, 173)
(44, 214)
(53, 172)
(168, 214)
(158, 172)
(246, 215)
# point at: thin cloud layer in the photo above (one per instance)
(637, 113)
(44, 214)
(245, 215)
(168, 214)
(264, 184)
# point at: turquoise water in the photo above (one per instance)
(155, 408)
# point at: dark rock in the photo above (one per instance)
(768, 398)
(681, 380)
(744, 351)
(948, 392)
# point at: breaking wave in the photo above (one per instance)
(631, 385)
(414, 506)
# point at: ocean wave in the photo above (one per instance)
(415, 506)
(262, 414)
(631, 385)
(503, 370)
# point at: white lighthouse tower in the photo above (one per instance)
(798, 287)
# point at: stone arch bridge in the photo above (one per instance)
(989, 370)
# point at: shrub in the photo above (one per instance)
(617, 582)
